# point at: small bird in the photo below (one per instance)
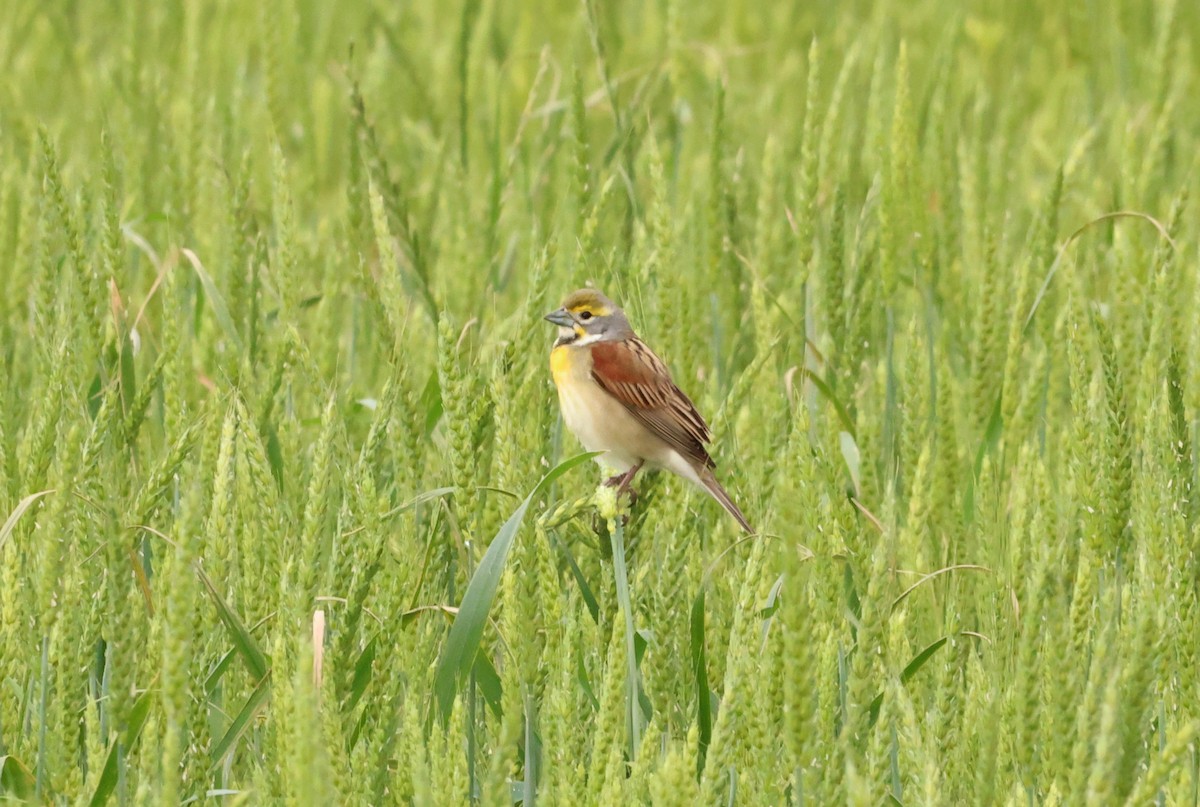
(618, 397)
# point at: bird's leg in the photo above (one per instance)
(621, 481)
(624, 486)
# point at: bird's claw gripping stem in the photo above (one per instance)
(621, 482)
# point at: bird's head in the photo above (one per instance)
(588, 316)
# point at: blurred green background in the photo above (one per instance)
(271, 335)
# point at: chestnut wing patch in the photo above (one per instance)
(632, 374)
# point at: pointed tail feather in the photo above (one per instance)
(714, 488)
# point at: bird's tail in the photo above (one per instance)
(714, 488)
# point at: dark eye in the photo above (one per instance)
(585, 315)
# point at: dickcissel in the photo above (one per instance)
(618, 397)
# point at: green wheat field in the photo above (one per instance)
(288, 512)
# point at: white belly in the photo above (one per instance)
(602, 424)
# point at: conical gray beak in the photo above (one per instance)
(560, 317)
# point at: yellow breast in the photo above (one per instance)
(596, 418)
(568, 364)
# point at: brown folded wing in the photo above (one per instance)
(632, 374)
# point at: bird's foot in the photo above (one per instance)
(621, 482)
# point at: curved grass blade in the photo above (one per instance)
(218, 672)
(853, 460)
(255, 659)
(827, 392)
(216, 300)
(704, 695)
(420, 498)
(18, 511)
(991, 436)
(908, 672)
(991, 439)
(254, 703)
(770, 607)
(700, 671)
(488, 681)
(363, 671)
(1163, 232)
(111, 773)
(15, 779)
(589, 599)
(458, 655)
(431, 402)
(926, 578)
(585, 684)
